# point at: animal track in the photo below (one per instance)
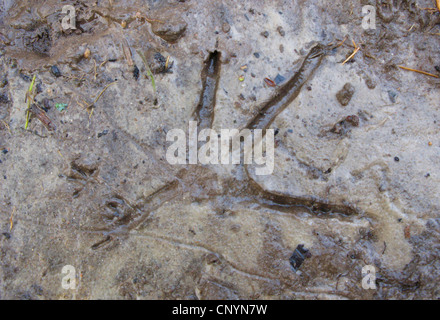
(121, 217)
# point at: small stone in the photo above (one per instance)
(278, 79)
(370, 83)
(392, 95)
(87, 53)
(4, 98)
(345, 94)
(226, 27)
(353, 120)
(396, 159)
(281, 31)
(136, 72)
(55, 71)
(3, 82)
(298, 257)
(257, 55)
(24, 77)
(171, 30)
(124, 24)
(103, 133)
(265, 34)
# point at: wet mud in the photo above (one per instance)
(87, 182)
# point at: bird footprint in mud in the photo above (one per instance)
(116, 213)
(121, 217)
(387, 9)
(81, 172)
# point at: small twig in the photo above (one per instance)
(89, 105)
(419, 71)
(356, 49)
(127, 52)
(7, 126)
(29, 100)
(59, 152)
(167, 62)
(342, 42)
(94, 76)
(150, 74)
(11, 221)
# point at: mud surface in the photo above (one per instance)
(356, 179)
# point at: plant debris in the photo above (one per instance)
(419, 71)
(356, 49)
(42, 116)
(29, 99)
(149, 73)
(269, 82)
(61, 106)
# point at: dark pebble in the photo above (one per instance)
(103, 133)
(4, 98)
(39, 88)
(265, 34)
(279, 78)
(437, 68)
(256, 54)
(136, 73)
(298, 256)
(55, 71)
(392, 96)
(46, 104)
(24, 77)
(396, 159)
(3, 83)
(5, 151)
